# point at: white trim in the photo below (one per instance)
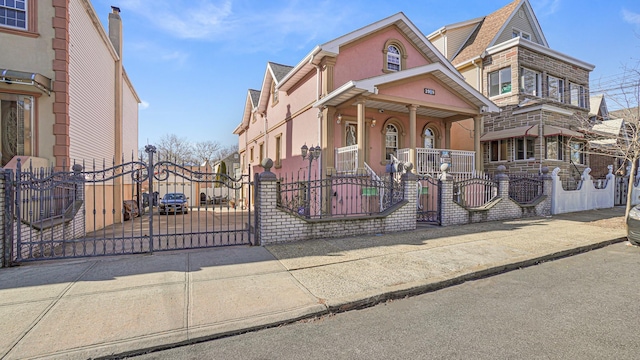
(539, 48)
(453, 26)
(544, 107)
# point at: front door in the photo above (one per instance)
(15, 130)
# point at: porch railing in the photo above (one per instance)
(346, 159)
(428, 160)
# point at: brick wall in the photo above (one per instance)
(502, 209)
(276, 226)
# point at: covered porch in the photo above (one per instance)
(425, 115)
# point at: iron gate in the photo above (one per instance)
(101, 212)
(621, 190)
(429, 200)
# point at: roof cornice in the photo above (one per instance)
(541, 49)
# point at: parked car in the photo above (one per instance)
(174, 203)
(633, 225)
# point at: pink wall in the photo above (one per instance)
(365, 59)
(415, 90)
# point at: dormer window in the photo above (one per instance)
(519, 33)
(394, 56)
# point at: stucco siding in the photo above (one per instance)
(91, 90)
(470, 75)
(365, 59)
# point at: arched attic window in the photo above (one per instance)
(394, 56)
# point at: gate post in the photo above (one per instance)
(150, 149)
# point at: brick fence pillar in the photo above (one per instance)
(266, 202)
(409, 183)
(503, 182)
(544, 209)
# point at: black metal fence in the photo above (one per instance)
(525, 188)
(99, 210)
(338, 196)
(475, 192)
(429, 200)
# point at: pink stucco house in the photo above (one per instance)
(380, 91)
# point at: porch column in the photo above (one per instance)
(361, 131)
(447, 134)
(328, 130)
(477, 130)
(412, 135)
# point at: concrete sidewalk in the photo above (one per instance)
(97, 307)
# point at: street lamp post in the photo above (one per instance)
(312, 153)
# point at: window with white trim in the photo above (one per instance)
(13, 14)
(524, 148)
(393, 58)
(577, 152)
(391, 140)
(577, 95)
(498, 150)
(555, 88)
(429, 139)
(519, 33)
(500, 82)
(553, 147)
(530, 82)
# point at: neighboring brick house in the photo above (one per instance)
(378, 91)
(541, 92)
(64, 94)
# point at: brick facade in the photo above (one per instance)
(519, 109)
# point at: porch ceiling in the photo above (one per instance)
(402, 108)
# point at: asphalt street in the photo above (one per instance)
(580, 307)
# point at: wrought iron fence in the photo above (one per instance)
(338, 196)
(475, 192)
(525, 188)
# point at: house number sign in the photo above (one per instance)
(429, 91)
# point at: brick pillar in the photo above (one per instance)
(547, 192)
(266, 202)
(503, 182)
(409, 183)
(447, 213)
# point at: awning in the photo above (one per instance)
(26, 78)
(522, 131)
(554, 130)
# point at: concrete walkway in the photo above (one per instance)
(113, 305)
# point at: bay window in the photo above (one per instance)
(500, 82)
(577, 95)
(524, 148)
(498, 150)
(530, 82)
(555, 88)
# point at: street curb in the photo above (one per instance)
(377, 299)
(476, 275)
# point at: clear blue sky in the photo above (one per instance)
(192, 61)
